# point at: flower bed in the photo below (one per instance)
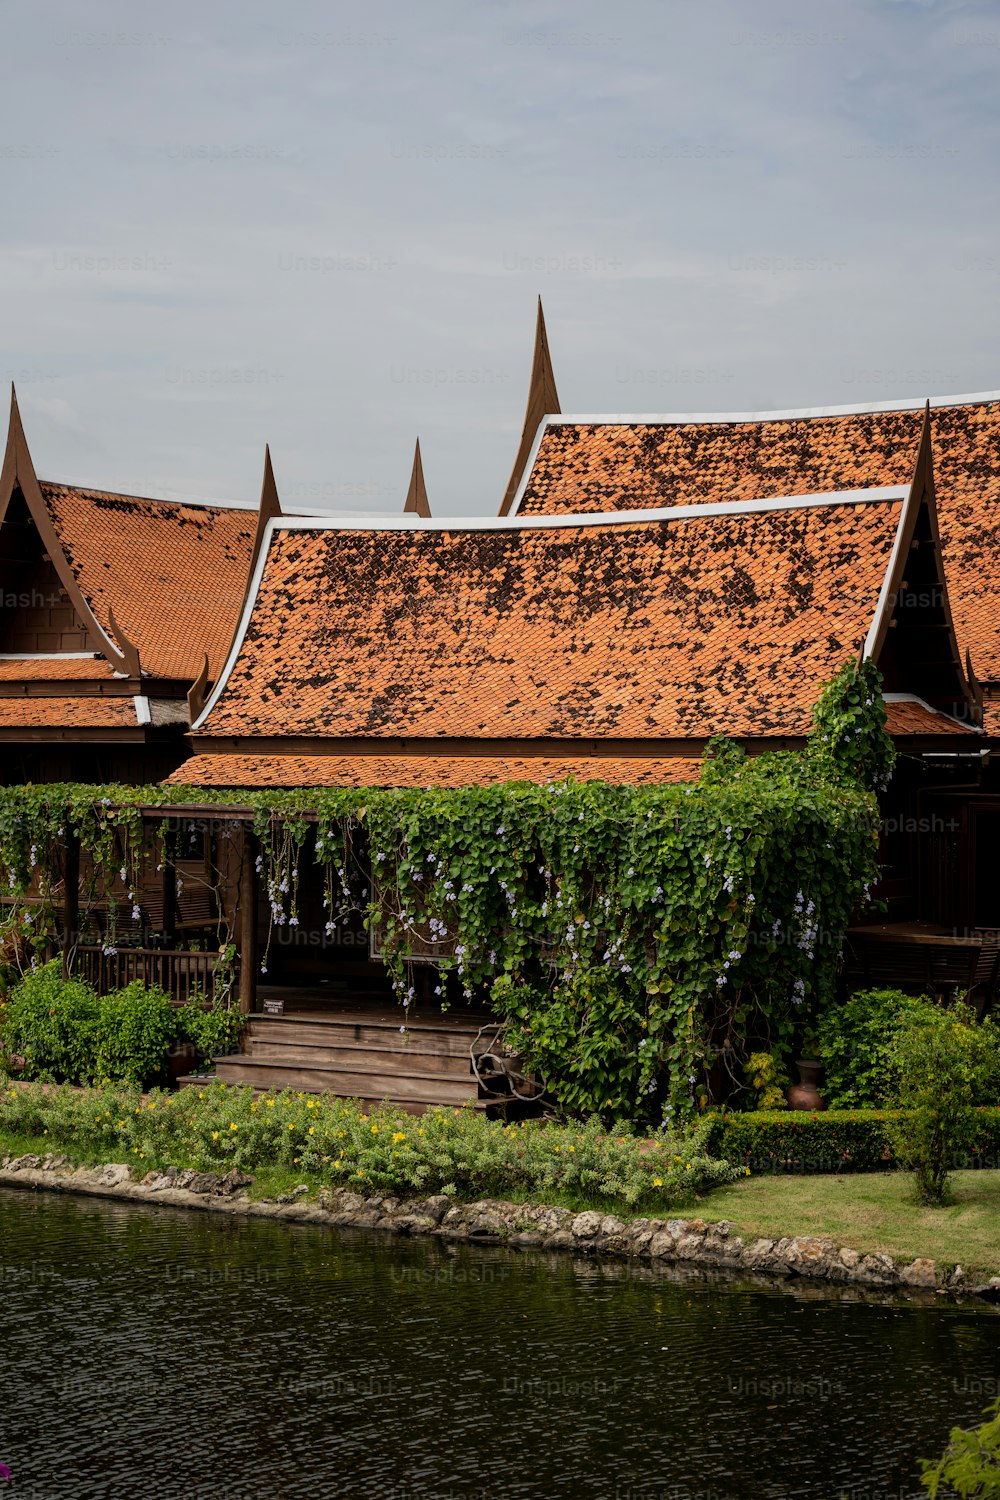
(454, 1151)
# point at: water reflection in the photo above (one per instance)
(148, 1352)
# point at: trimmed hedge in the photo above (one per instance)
(834, 1140)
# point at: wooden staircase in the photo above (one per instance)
(358, 1052)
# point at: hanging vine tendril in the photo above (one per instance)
(635, 939)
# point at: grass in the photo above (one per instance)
(871, 1212)
(269, 1182)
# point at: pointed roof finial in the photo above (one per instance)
(543, 400)
(416, 496)
(270, 506)
(197, 690)
(129, 651)
(923, 464)
(17, 443)
(17, 465)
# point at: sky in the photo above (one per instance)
(325, 227)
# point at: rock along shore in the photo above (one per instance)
(520, 1226)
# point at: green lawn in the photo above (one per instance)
(871, 1212)
(868, 1211)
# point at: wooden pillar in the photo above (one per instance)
(248, 896)
(71, 900)
(169, 884)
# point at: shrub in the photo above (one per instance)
(834, 1140)
(768, 1080)
(134, 1028)
(63, 1031)
(944, 1061)
(214, 1032)
(970, 1465)
(50, 1022)
(856, 1045)
(457, 1151)
(796, 1141)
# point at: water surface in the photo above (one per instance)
(161, 1353)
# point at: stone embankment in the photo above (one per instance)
(520, 1226)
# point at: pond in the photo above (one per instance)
(153, 1352)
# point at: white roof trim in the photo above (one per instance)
(677, 419)
(248, 608)
(948, 718)
(885, 600)
(520, 523)
(593, 518)
(50, 656)
(142, 713)
(529, 466)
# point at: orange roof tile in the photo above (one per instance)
(56, 669)
(722, 623)
(911, 716)
(991, 717)
(422, 771)
(619, 465)
(175, 575)
(94, 712)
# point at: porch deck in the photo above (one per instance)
(926, 958)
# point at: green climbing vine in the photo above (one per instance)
(640, 942)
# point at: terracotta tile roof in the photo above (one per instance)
(649, 629)
(911, 716)
(421, 771)
(595, 466)
(175, 575)
(56, 669)
(991, 717)
(92, 712)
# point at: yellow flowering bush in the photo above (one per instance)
(457, 1151)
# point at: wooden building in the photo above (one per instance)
(117, 615)
(651, 581)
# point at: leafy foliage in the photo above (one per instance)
(856, 1042)
(768, 1080)
(134, 1027)
(638, 941)
(857, 1140)
(51, 1025)
(970, 1466)
(454, 1151)
(61, 1030)
(944, 1061)
(849, 741)
(214, 1030)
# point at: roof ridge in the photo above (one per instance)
(874, 494)
(89, 489)
(791, 414)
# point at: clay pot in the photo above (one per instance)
(805, 1094)
(181, 1059)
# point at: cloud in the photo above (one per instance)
(326, 228)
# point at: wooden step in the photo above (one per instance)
(392, 1016)
(408, 1106)
(293, 1031)
(272, 1073)
(364, 1059)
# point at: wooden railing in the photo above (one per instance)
(178, 972)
